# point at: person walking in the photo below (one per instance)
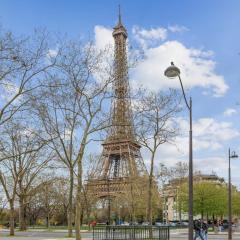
(220, 226)
(198, 230)
(205, 230)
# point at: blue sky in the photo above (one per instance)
(207, 38)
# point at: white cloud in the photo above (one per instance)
(177, 28)
(197, 69)
(104, 42)
(229, 112)
(211, 164)
(209, 128)
(152, 34)
(103, 37)
(147, 37)
(197, 66)
(209, 140)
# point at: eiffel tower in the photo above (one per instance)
(120, 163)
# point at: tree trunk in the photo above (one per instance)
(81, 217)
(213, 222)
(22, 222)
(70, 204)
(49, 225)
(88, 218)
(150, 192)
(149, 212)
(180, 211)
(79, 189)
(79, 183)
(12, 223)
(77, 220)
(47, 221)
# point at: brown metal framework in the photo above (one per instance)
(121, 163)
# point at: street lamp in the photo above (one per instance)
(230, 155)
(173, 72)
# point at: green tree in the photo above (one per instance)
(210, 198)
(236, 203)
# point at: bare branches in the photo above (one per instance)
(70, 105)
(23, 62)
(154, 118)
(23, 159)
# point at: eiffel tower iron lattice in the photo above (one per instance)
(120, 163)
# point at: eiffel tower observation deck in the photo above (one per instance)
(120, 163)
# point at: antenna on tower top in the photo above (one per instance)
(119, 14)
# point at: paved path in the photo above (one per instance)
(210, 237)
(62, 235)
(182, 234)
(41, 235)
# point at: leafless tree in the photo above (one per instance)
(24, 160)
(71, 109)
(164, 175)
(23, 62)
(155, 125)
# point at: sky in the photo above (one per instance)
(201, 37)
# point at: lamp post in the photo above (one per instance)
(230, 155)
(172, 72)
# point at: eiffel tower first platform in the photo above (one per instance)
(120, 165)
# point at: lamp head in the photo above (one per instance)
(234, 155)
(172, 71)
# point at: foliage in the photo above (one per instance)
(209, 198)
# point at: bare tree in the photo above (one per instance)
(154, 115)
(24, 160)
(71, 109)
(164, 175)
(23, 62)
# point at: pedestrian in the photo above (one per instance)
(198, 230)
(220, 226)
(205, 230)
(215, 226)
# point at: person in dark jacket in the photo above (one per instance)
(205, 230)
(197, 225)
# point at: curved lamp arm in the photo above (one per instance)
(184, 95)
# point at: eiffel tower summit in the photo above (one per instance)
(120, 164)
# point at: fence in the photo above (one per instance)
(131, 232)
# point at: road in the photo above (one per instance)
(61, 235)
